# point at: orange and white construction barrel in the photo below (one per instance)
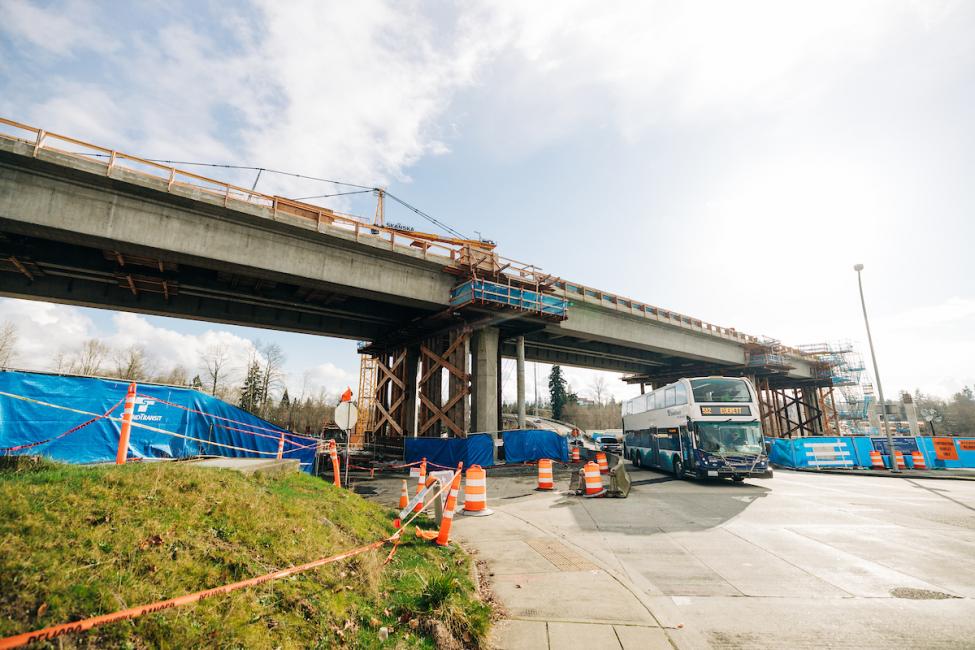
(545, 480)
(475, 492)
(594, 481)
(576, 455)
(876, 460)
(602, 462)
(900, 460)
(917, 459)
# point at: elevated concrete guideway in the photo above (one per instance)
(84, 225)
(244, 265)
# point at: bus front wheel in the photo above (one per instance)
(678, 468)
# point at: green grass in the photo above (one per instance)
(81, 541)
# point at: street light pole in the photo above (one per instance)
(876, 373)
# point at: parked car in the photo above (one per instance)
(608, 442)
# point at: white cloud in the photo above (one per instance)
(326, 377)
(953, 311)
(352, 91)
(633, 66)
(69, 27)
(167, 348)
(41, 327)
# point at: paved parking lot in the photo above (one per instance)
(801, 560)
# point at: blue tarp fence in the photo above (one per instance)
(476, 449)
(167, 422)
(521, 445)
(854, 451)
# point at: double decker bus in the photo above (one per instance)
(697, 428)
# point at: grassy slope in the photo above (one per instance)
(80, 541)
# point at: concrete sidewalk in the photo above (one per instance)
(559, 595)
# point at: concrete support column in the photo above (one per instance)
(410, 400)
(485, 405)
(520, 352)
(910, 412)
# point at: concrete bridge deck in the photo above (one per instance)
(78, 234)
(85, 225)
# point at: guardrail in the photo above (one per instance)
(458, 254)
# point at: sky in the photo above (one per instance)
(731, 161)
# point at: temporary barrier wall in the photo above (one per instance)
(522, 445)
(168, 422)
(476, 449)
(854, 451)
(963, 448)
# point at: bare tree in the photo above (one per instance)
(8, 344)
(61, 362)
(599, 389)
(177, 376)
(214, 360)
(90, 359)
(271, 373)
(132, 363)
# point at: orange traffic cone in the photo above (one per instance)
(404, 496)
(448, 512)
(336, 471)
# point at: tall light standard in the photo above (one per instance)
(876, 373)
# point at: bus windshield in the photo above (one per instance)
(729, 437)
(720, 390)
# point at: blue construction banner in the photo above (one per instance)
(903, 445)
(78, 420)
(521, 445)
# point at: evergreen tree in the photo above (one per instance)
(197, 383)
(285, 401)
(558, 392)
(250, 392)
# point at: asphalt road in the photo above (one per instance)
(798, 561)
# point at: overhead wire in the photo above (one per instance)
(325, 196)
(363, 188)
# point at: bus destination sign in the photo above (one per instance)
(725, 410)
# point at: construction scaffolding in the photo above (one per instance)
(843, 366)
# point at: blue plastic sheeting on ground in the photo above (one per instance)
(522, 445)
(158, 430)
(477, 449)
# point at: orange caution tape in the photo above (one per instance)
(56, 631)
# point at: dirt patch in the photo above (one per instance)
(910, 593)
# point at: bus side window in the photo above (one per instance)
(670, 398)
(681, 394)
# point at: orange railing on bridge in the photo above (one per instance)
(452, 253)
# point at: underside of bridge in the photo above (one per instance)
(435, 315)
